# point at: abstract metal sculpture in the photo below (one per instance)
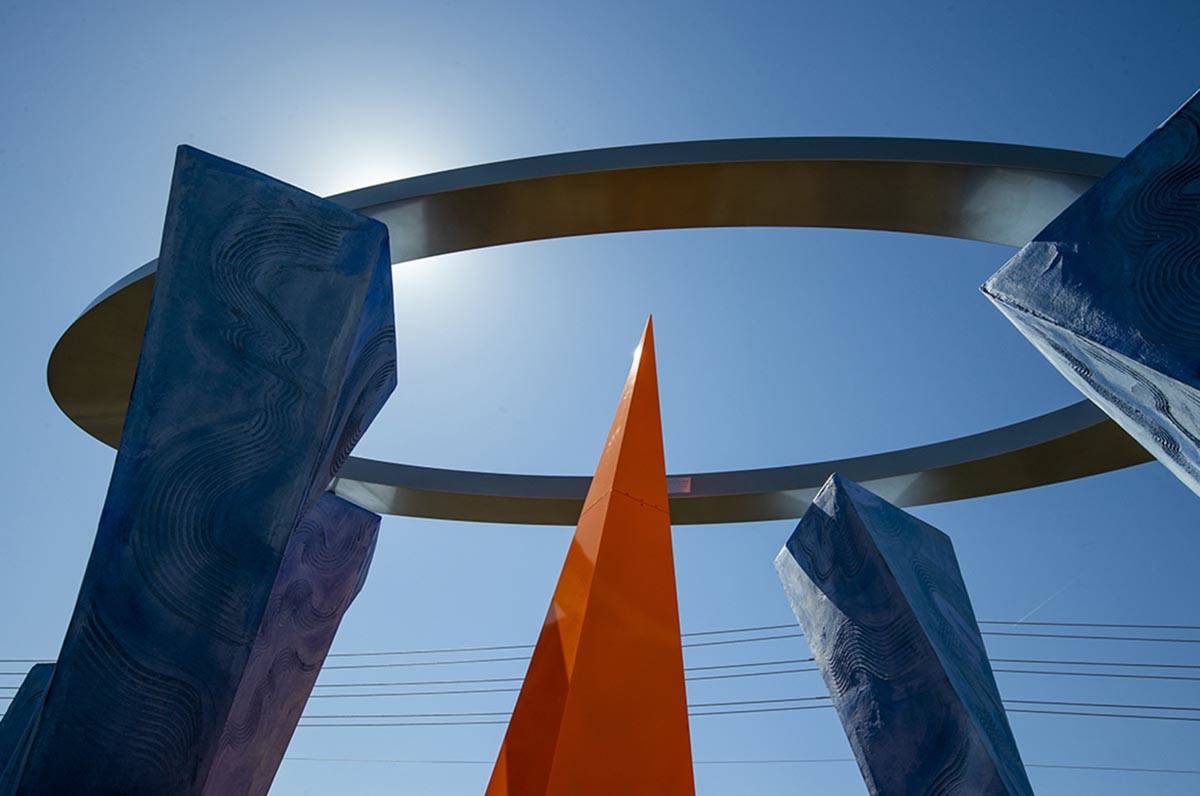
(992, 192)
(262, 345)
(268, 350)
(603, 708)
(882, 603)
(323, 570)
(1109, 292)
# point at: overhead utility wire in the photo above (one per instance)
(746, 711)
(740, 703)
(758, 628)
(481, 680)
(998, 670)
(1112, 675)
(777, 761)
(741, 708)
(724, 642)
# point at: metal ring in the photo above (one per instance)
(988, 192)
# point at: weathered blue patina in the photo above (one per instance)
(1109, 292)
(882, 603)
(323, 570)
(269, 349)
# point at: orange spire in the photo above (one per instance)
(603, 708)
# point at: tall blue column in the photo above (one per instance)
(882, 603)
(268, 350)
(1109, 292)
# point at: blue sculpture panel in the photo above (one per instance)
(323, 570)
(269, 348)
(17, 725)
(880, 598)
(1109, 292)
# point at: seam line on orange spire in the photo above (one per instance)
(626, 495)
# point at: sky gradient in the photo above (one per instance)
(774, 346)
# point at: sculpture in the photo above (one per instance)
(268, 350)
(603, 708)
(1109, 292)
(882, 603)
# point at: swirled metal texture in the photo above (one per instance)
(883, 605)
(1110, 293)
(980, 191)
(323, 569)
(246, 402)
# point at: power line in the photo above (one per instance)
(408, 664)
(1103, 715)
(1046, 672)
(498, 647)
(792, 626)
(1092, 638)
(419, 693)
(24, 660)
(1099, 663)
(742, 702)
(760, 710)
(447, 692)
(756, 703)
(519, 679)
(750, 674)
(758, 663)
(505, 680)
(781, 709)
(1123, 769)
(740, 640)
(1099, 705)
(421, 682)
(737, 630)
(743, 708)
(724, 642)
(1116, 675)
(778, 761)
(435, 651)
(1019, 622)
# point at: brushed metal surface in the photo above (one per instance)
(980, 191)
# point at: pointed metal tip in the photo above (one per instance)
(644, 344)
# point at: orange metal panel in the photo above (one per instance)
(603, 708)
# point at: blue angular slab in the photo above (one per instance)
(324, 568)
(268, 350)
(17, 725)
(882, 603)
(1109, 292)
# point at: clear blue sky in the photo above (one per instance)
(774, 346)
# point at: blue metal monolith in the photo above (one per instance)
(882, 603)
(1109, 292)
(268, 350)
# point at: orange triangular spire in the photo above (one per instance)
(603, 708)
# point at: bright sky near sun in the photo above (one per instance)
(774, 346)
